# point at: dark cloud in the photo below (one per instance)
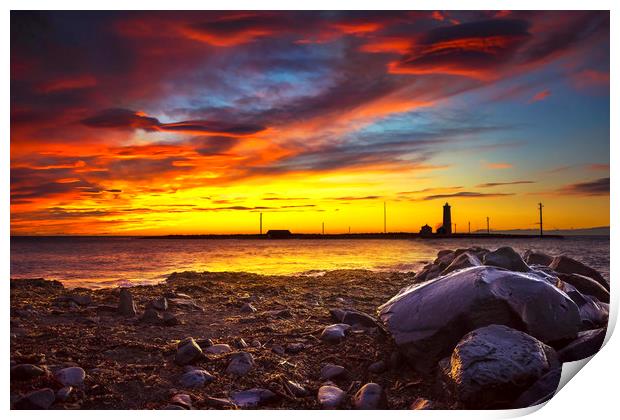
(497, 184)
(466, 194)
(597, 187)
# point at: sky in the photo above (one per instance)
(147, 123)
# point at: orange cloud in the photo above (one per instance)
(540, 96)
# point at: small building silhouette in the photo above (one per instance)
(426, 230)
(279, 234)
(441, 230)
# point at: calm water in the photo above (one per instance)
(107, 262)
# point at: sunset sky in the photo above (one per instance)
(195, 122)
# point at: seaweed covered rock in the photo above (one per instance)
(427, 320)
(491, 366)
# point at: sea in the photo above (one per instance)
(100, 262)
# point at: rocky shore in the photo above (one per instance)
(474, 329)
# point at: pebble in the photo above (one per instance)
(161, 304)
(126, 305)
(183, 400)
(26, 372)
(151, 316)
(41, 399)
(218, 349)
(370, 397)
(247, 308)
(188, 351)
(335, 333)
(204, 342)
(71, 376)
(252, 397)
(330, 397)
(294, 348)
(196, 378)
(377, 367)
(256, 343)
(278, 349)
(240, 364)
(240, 343)
(330, 371)
(63, 394)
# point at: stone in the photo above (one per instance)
(71, 376)
(64, 393)
(188, 351)
(564, 264)
(335, 333)
(247, 308)
(353, 317)
(593, 313)
(491, 366)
(506, 257)
(256, 343)
(204, 342)
(218, 349)
(542, 390)
(278, 349)
(294, 348)
(240, 343)
(41, 399)
(532, 257)
(370, 397)
(377, 367)
(425, 331)
(330, 397)
(296, 389)
(26, 372)
(240, 364)
(126, 305)
(587, 344)
(169, 319)
(81, 300)
(185, 304)
(252, 397)
(331, 371)
(182, 400)
(151, 316)
(160, 304)
(464, 260)
(585, 285)
(424, 404)
(196, 378)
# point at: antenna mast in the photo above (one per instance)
(540, 207)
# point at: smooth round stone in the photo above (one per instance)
(240, 364)
(335, 333)
(330, 371)
(26, 372)
(377, 367)
(330, 397)
(247, 308)
(183, 400)
(218, 349)
(252, 397)
(188, 351)
(370, 397)
(63, 394)
(71, 376)
(41, 399)
(196, 378)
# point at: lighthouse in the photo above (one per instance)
(447, 219)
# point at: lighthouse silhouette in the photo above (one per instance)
(447, 219)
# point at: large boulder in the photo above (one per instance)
(542, 390)
(585, 285)
(593, 313)
(564, 264)
(587, 344)
(532, 257)
(427, 320)
(464, 260)
(506, 257)
(491, 366)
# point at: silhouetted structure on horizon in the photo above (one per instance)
(447, 220)
(426, 230)
(279, 234)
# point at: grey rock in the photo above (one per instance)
(252, 397)
(247, 308)
(204, 342)
(256, 343)
(295, 348)
(151, 316)
(64, 393)
(240, 343)
(370, 397)
(160, 304)
(542, 390)
(296, 389)
(593, 313)
(126, 305)
(330, 397)
(26, 372)
(278, 349)
(188, 351)
(183, 400)
(240, 364)
(331, 371)
(353, 317)
(493, 365)
(41, 399)
(335, 333)
(377, 367)
(587, 344)
(218, 349)
(537, 258)
(464, 260)
(71, 376)
(196, 378)
(585, 285)
(506, 257)
(185, 304)
(425, 331)
(564, 264)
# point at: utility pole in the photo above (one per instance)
(349, 230)
(468, 227)
(384, 217)
(323, 228)
(261, 223)
(454, 228)
(488, 229)
(540, 207)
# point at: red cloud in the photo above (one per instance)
(540, 96)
